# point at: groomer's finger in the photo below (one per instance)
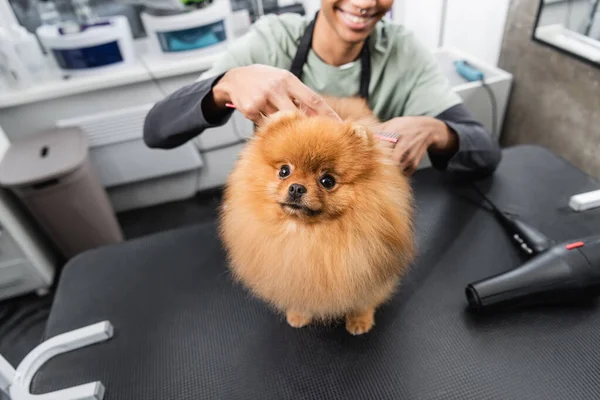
(253, 108)
(407, 157)
(410, 166)
(400, 150)
(282, 102)
(414, 158)
(309, 99)
(269, 109)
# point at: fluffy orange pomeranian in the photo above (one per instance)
(316, 219)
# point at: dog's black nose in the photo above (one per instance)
(296, 191)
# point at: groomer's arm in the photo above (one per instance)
(247, 76)
(191, 110)
(459, 143)
(466, 146)
(184, 115)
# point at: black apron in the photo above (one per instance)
(305, 46)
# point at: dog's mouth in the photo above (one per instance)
(298, 208)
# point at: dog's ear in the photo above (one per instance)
(279, 118)
(361, 133)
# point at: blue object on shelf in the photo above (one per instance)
(468, 71)
(192, 38)
(88, 57)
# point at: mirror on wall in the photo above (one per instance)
(571, 26)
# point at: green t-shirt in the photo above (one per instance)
(405, 77)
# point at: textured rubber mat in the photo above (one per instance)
(22, 323)
(183, 331)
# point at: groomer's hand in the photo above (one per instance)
(416, 135)
(258, 90)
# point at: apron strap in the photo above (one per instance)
(365, 70)
(303, 49)
(302, 55)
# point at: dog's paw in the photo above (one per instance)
(297, 320)
(360, 323)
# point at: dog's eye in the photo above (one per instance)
(327, 181)
(284, 171)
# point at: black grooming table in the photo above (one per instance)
(183, 331)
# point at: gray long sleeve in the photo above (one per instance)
(179, 117)
(478, 153)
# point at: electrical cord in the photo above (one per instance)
(591, 18)
(493, 104)
(488, 205)
(154, 79)
(493, 208)
(473, 74)
(568, 14)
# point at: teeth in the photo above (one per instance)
(358, 19)
(355, 19)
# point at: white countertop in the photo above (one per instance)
(161, 67)
(151, 66)
(146, 68)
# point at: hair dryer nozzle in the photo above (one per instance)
(473, 298)
(565, 272)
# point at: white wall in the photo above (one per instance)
(422, 17)
(476, 27)
(311, 6)
(473, 26)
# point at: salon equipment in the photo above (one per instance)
(557, 273)
(22, 62)
(13, 72)
(585, 201)
(50, 172)
(94, 47)
(527, 238)
(70, 29)
(468, 71)
(568, 271)
(84, 12)
(16, 383)
(27, 263)
(207, 29)
(48, 12)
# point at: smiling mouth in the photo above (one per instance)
(355, 21)
(304, 209)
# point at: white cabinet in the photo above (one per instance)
(26, 264)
